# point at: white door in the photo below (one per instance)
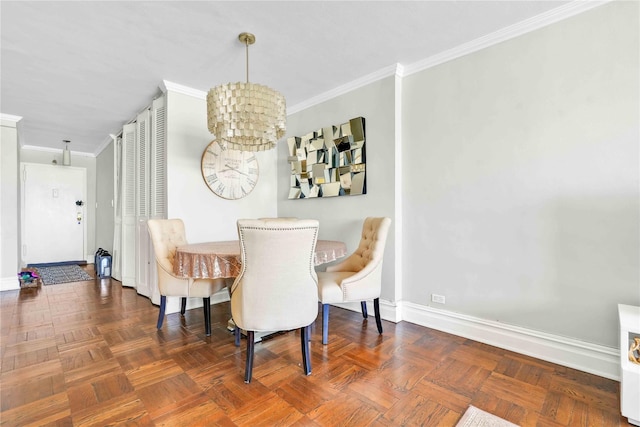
(117, 223)
(143, 242)
(158, 183)
(53, 213)
(128, 242)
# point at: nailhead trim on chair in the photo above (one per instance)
(276, 229)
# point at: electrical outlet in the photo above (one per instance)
(437, 298)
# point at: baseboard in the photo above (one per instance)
(57, 264)
(9, 284)
(173, 303)
(592, 358)
(584, 356)
(388, 310)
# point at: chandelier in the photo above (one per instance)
(247, 116)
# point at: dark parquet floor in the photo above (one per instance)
(89, 354)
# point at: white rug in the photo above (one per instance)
(474, 417)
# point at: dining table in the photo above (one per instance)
(213, 260)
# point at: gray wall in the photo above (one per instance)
(521, 178)
(341, 217)
(517, 186)
(105, 199)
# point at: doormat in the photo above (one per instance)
(475, 417)
(62, 274)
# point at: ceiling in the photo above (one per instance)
(79, 70)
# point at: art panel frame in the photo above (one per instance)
(329, 162)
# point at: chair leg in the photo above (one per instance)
(183, 305)
(325, 323)
(363, 305)
(207, 315)
(163, 305)
(376, 309)
(248, 369)
(236, 333)
(306, 356)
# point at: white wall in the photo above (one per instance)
(521, 182)
(341, 217)
(207, 217)
(9, 217)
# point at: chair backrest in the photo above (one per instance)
(166, 235)
(277, 285)
(373, 240)
(365, 262)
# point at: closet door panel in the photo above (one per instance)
(143, 241)
(116, 256)
(128, 254)
(158, 181)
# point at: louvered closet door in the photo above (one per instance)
(128, 253)
(158, 178)
(116, 260)
(143, 241)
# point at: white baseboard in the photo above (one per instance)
(9, 284)
(587, 357)
(592, 358)
(173, 303)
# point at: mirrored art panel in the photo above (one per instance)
(329, 162)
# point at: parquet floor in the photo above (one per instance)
(88, 354)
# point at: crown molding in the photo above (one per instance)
(396, 69)
(550, 17)
(10, 118)
(103, 145)
(544, 19)
(166, 86)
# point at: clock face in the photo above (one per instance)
(230, 174)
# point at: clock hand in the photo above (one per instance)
(236, 170)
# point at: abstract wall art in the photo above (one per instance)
(329, 162)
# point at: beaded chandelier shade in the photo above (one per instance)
(247, 116)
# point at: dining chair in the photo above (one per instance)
(276, 289)
(166, 235)
(359, 276)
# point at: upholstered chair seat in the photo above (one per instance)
(276, 289)
(167, 235)
(358, 277)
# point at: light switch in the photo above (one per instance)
(55, 192)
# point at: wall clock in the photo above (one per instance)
(230, 174)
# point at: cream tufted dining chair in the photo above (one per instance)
(276, 289)
(359, 276)
(166, 235)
